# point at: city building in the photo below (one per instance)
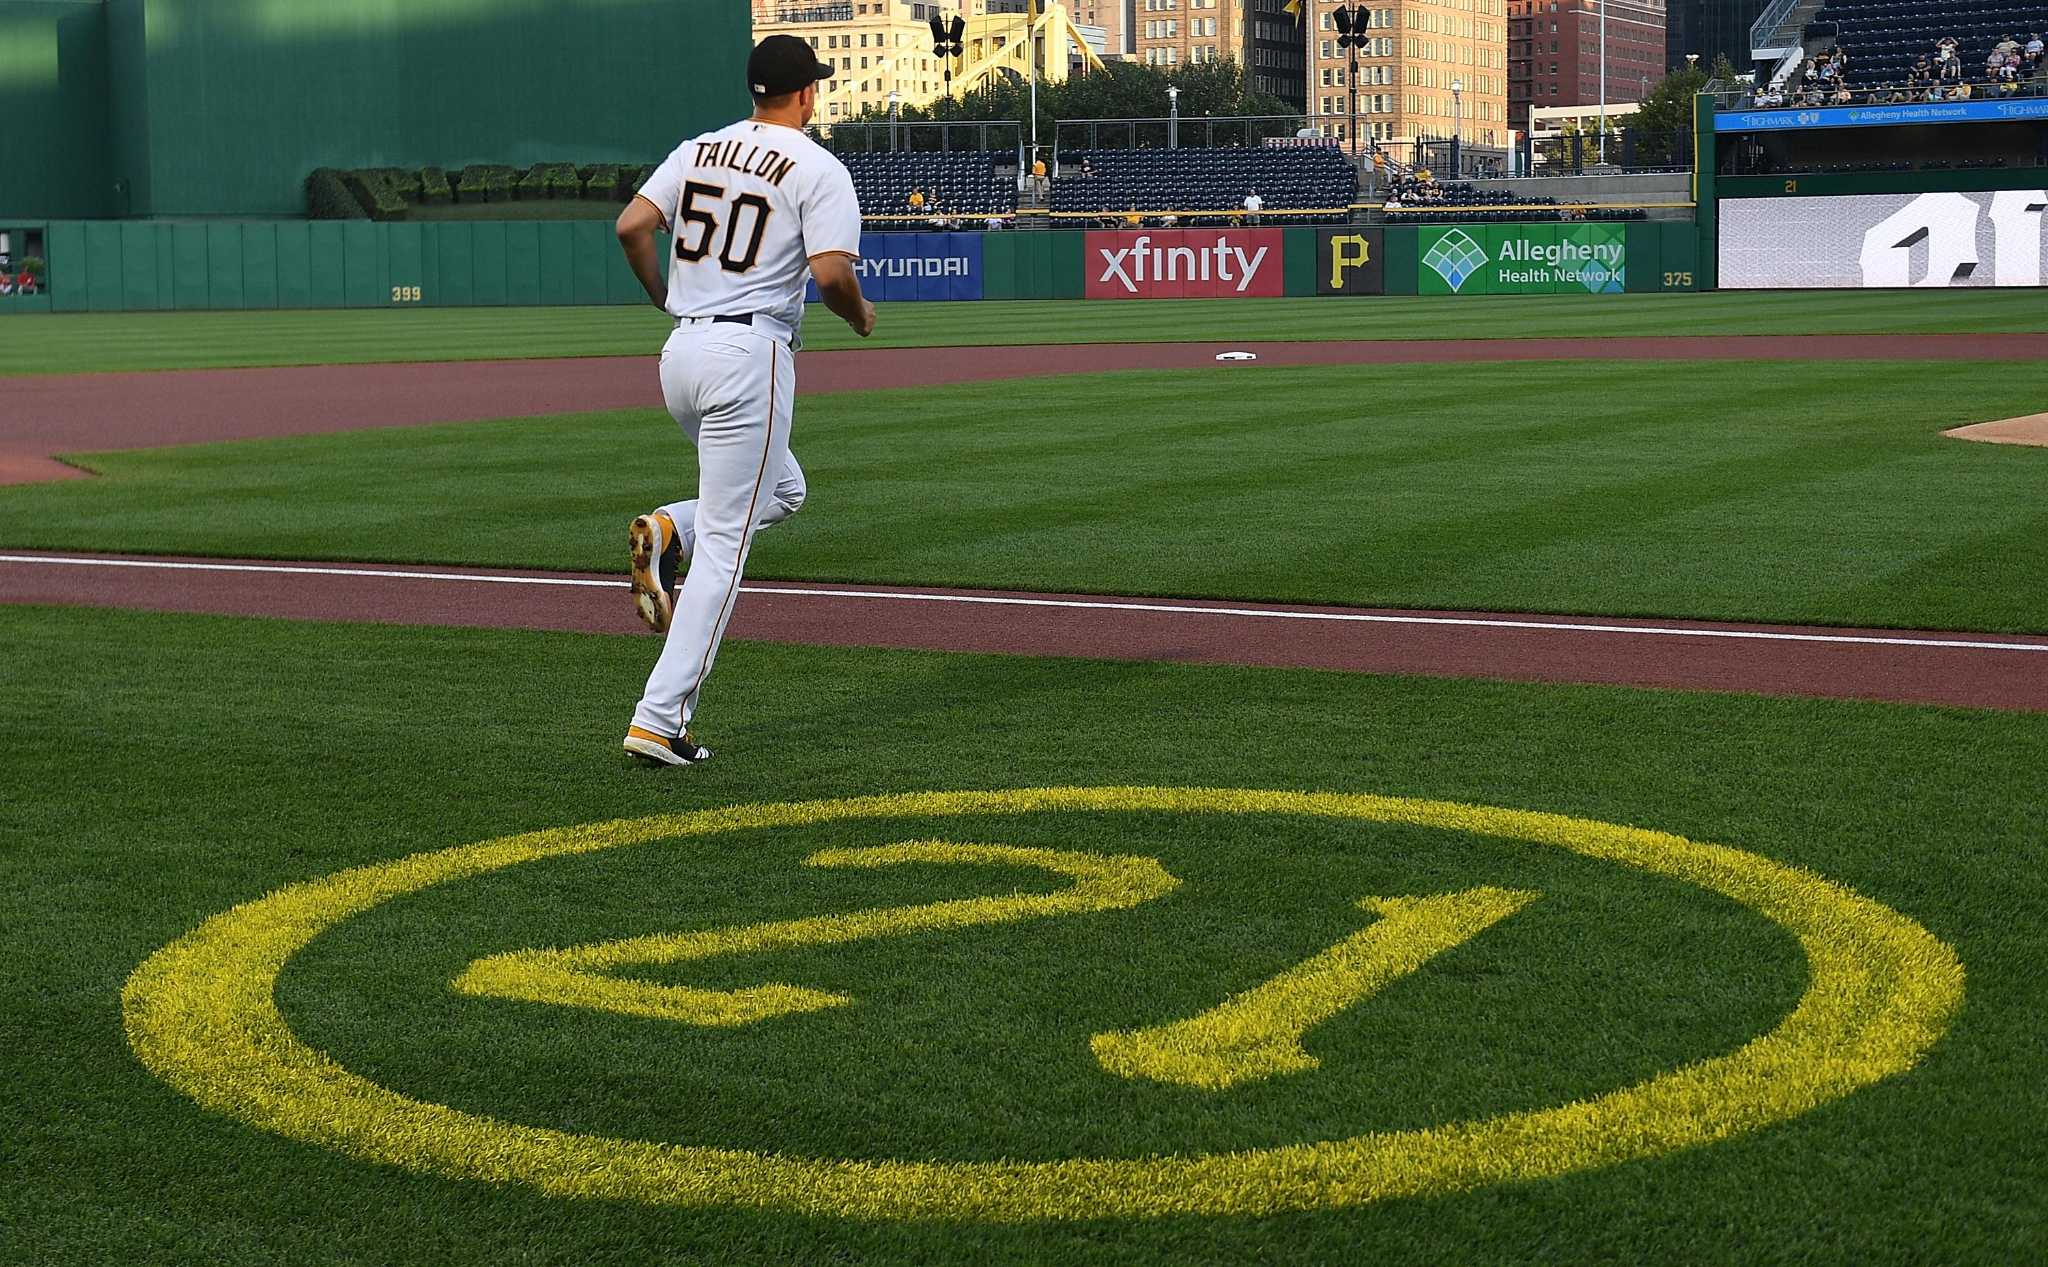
(1114, 18)
(884, 47)
(1258, 34)
(1554, 53)
(1709, 29)
(1428, 69)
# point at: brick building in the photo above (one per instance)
(1554, 52)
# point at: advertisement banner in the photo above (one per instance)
(1185, 264)
(1994, 110)
(1523, 259)
(902, 267)
(1351, 261)
(1882, 241)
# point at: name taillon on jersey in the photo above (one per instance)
(758, 160)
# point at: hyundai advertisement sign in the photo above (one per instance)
(900, 267)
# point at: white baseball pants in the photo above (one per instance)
(730, 388)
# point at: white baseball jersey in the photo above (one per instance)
(750, 205)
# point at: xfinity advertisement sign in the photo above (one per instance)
(1185, 264)
(1880, 241)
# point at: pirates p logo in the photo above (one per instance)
(1350, 262)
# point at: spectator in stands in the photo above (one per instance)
(917, 200)
(1961, 92)
(1948, 62)
(1842, 97)
(1922, 72)
(2030, 56)
(1934, 93)
(1253, 205)
(1132, 220)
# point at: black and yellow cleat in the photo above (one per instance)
(662, 750)
(657, 553)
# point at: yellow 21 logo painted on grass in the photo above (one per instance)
(1252, 1036)
(201, 1013)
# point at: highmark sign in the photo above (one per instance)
(1523, 259)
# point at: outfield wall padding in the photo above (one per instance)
(156, 266)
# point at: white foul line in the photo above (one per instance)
(1076, 604)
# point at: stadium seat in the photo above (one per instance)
(1197, 179)
(1885, 37)
(961, 184)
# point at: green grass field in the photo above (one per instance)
(1806, 493)
(161, 771)
(85, 342)
(140, 806)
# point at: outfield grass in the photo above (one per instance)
(1805, 493)
(150, 788)
(82, 342)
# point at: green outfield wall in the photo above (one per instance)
(177, 265)
(54, 99)
(166, 108)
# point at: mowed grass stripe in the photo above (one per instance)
(88, 342)
(325, 747)
(1789, 493)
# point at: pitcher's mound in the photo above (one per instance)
(2032, 429)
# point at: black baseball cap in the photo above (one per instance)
(783, 64)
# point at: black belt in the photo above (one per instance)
(745, 319)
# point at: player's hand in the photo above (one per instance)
(866, 325)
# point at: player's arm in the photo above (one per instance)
(831, 231)
(839, 287)
(636, 229)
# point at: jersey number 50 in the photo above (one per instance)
(697, 226)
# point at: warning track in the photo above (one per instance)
(1964, 670)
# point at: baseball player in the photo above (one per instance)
(754, 208)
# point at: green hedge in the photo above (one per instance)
(551, 180)
(328, 197)
(388, 193)
(487, 183)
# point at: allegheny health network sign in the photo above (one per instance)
(1523, 259)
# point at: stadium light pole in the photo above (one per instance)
(1351, 23)
(1603, 82)
(1173, 116)
(895, 99)
(1457, 129)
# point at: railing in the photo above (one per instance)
(1765, 31)
(1002, 135)
(1744, 96)
(1170, 132)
